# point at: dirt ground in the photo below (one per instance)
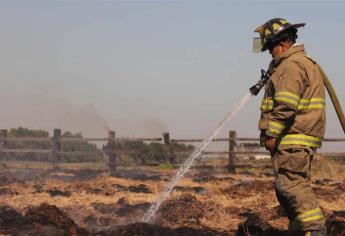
(208, 201)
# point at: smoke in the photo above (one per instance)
(85, 119)
(154, 127)
(39, 110)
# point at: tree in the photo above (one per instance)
(67, 146)
(146, 153)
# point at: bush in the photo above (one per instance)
(148, 153)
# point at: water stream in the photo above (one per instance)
(191, 159)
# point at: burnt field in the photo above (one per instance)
(208, 201)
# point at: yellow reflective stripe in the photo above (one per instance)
(287, 97)
(275, 127)
(308, 233)
(303, 136)
(265, 108)
(273, 130)
(313, 103)
(303, 100)
(267, 104)
(301, 142)
(317, 100)
(281, 99)
(293, 95)
(314, 214)
(315, 106)
(301, 139)
(276, 124)
(309, 213)
(312, 218)
(267, 101)
(302, 104)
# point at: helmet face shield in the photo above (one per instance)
(257, 44)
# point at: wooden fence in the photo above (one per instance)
(111, 151)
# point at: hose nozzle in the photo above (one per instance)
(255, 89)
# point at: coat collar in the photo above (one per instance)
(294, 49)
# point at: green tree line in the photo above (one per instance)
(146, 152)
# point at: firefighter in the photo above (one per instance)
(292, 123)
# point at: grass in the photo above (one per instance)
(79, 205)
(327, 168)
(165, 166)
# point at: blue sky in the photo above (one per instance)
(145, 67)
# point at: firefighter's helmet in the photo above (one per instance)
(276, 30)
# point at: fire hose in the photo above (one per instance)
(334, 98)
(331, 92)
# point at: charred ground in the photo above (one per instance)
(206, 202)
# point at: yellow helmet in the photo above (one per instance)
(276, 30)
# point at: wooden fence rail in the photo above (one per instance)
(112, 152)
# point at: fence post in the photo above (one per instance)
(3, 134)
(111, 150)
(232, 148)
(56, 148)
(168, 152)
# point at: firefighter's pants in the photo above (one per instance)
(292, 184)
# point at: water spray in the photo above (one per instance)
(254, 90)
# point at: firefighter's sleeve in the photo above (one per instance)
(289, 86)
